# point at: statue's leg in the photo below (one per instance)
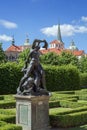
(26, 76)
(42, 77)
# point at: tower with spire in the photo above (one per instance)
(13, 41)
(58, 43)
(26, 43)
(73, 46)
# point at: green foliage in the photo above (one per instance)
(2, 123)
(54, 104)
(69, 120)
(23, 55)
(11, 111)
(83, 80)
(82, 66)
(70, 104)
(64, 58)
(62, 78)
(1, 97)
(8, 119)
(11, 127)
(2, 54)
(57, 78)
(64, 111)
(10, 77)
(50, 58)
(7, 104)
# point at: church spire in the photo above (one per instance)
(13, 41)
(27, 40)
(59, 34)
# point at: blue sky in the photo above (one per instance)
(39, 19)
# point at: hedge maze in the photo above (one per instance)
(8, 113)
(67, 109)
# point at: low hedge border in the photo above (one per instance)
(68, 120)
(1, 97)
(8, 119)
(7, 104)
(55, 111)
(70, 104)
(11, 127)
(8, 111)
(2, 123)
(54, 104)
(62, 96)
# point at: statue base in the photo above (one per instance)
(32, 112)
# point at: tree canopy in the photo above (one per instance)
(2, 54)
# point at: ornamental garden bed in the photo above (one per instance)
(67, 109)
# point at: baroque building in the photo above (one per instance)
(57, 46)
(13, 51)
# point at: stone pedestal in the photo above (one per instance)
(32, 112)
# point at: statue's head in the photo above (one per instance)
(36, 44)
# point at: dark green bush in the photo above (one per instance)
(68, 120)
(8, 111)
(83, 80)
(1, 97)
(62, 78)
(54, 104)
(7, 104)
(2, 123)
(55, 111)
(57, 78)
(10, 77)
(11, 127)
(70, 104)
(8, 119)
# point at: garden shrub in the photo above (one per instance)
(10, 77)
(11, 127)
(2, 123)
(69, 120)
(62, 78)
(8, 111)
(57, 78)
(56, 96)
(83, 80)
(54, 104)
(8, 119)
(7, 104)
(55, 111)
(70, 104)
(1, 97)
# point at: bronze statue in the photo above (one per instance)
(33, 81)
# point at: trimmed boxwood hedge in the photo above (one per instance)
(7, 104)
(57, 78)
(83, 80)
(62, 78)
(11, 127)
(8, 119)
(68, 120)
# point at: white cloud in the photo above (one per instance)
(5, 38)
(84, 19)
(66, 30)
(8, 24)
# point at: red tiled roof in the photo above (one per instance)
(14, 48)
(55, 50)
(58, 51)
(56, 42)
(78, 53)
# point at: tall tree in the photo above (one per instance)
(2, 54)
(23, 55)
